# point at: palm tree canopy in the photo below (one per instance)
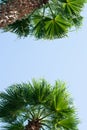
(38, 106)
(53, 19)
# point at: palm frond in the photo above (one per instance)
(12, 101)
(18, 125)
(38, 29)
(40, 90)
(28, 102)
(57, 27)
(52, 20)
(73, 7)
(69, 123)
(61, 100)
(20, 27)
(77, 21)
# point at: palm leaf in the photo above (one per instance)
(20, 27)
(69, 123)
(52, 105)
(77, 21)
(56, 27)
(40, 90)
(18, 125)
(52, 20)
(15, 98)
(38, 29)
(73, 7)
(60, 100)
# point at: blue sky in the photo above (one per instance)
(63, 59)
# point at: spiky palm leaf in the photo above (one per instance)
(22, 27)
(52, 20)
(72, 7)
(39, 105)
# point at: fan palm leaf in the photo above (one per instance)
(56, 27)
(73, 7)
(67, 123)
(37, 105)
(20, 27)
(53, 19)
(15, 126)
(61, 101)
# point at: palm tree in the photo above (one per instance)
(37, 106)
(46, 19)
(13, 10)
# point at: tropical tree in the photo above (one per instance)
(46, 19)
(37, 106)
(12, 10)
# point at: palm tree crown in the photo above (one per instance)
(38, 106)
(47, 19)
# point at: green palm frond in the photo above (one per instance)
(56, 27)
(39, 24)
(51, 27)
(77, 21)
(61, 100)
(18, 125)
(9, 106)
(72, 7)
(39, 100)
(40, 90)
(20, 27)
(52, 20)
(69, 123)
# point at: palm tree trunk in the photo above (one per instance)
(33, 125)
(16, 9)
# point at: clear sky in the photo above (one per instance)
(63, 59)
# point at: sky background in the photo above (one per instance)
(61, 59)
